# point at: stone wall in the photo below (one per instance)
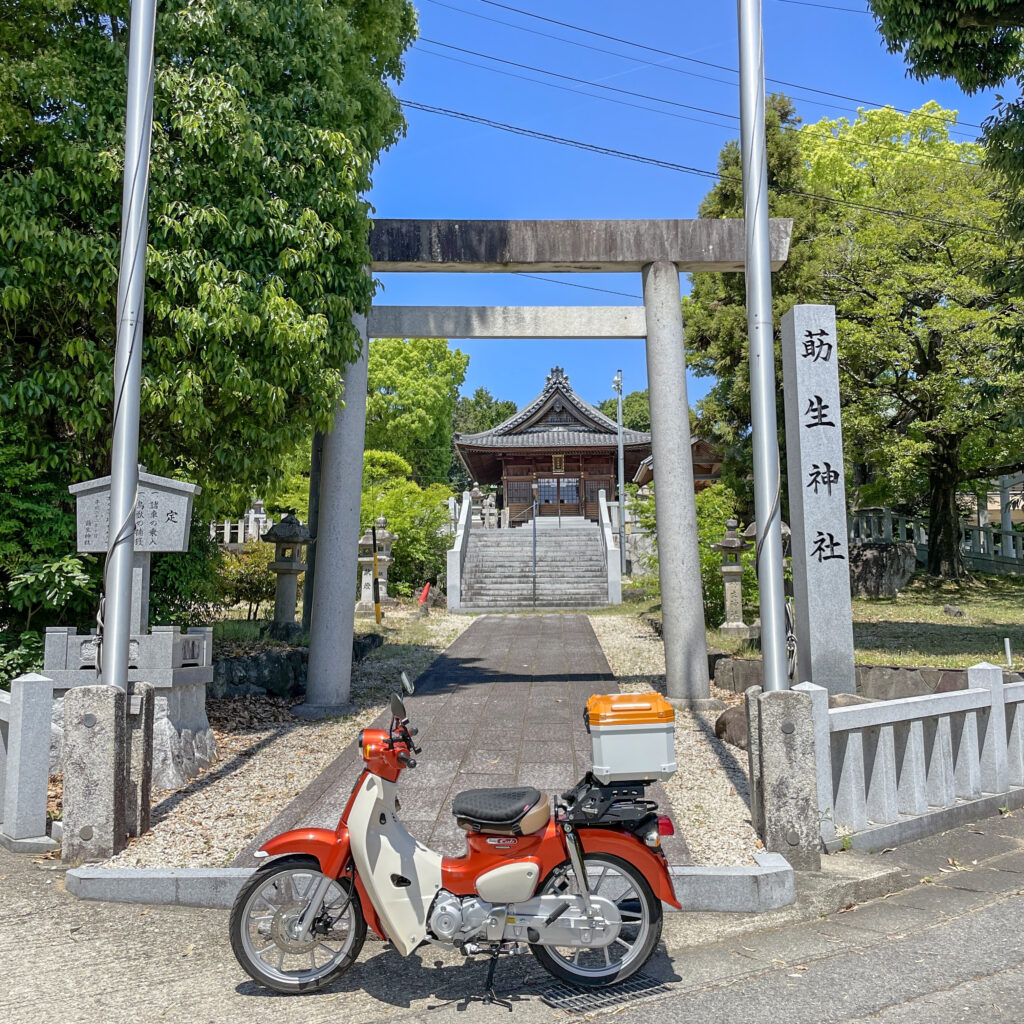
(281, 672)
(878, 682)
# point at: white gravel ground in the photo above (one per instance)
(265, 763)
(710, 789)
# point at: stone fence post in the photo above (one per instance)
(25, 763)
(788, 800)
(94, 773)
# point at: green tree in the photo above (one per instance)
(473, 415)
(636, 410)
(412, 390)
(715, 313)
(928, 366)
(268, 120)
(418, 515)
(246, 577)
(979, 44)
(928, 361)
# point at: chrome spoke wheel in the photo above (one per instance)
(267, 934)
(639, 930)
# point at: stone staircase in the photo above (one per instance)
(571, 573)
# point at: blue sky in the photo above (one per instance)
(447, 167)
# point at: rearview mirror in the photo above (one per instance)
(398, 707)
(407, 685)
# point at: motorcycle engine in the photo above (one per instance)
(456, 919)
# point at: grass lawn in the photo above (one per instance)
(913, 629)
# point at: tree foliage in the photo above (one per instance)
(268, 119)
(636, 410)
(929, 367)
(246, 577)
(413, 386)
(979, 44)
(417, 515)
(473, 415)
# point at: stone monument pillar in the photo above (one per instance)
(817, 498)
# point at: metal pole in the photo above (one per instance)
(617, 384)
(534, 517)
(131, 287)
(763, 419)
(313, 525)
(376, 579)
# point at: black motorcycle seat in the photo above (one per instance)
(500, 810)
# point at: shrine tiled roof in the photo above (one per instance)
(556, 418)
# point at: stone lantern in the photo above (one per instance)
(732, 545)
(289, 538)
(476, 499)
(385, 538)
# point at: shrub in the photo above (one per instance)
(247, 578)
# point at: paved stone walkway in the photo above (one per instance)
(502, 706)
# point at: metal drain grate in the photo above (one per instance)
(584, 1000)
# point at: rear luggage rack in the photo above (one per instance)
(591, 803)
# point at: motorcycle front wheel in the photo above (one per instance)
(640, 909)
(263, 927)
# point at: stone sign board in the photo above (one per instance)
(162, 515)
(817, 499)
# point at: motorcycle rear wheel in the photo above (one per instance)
(270, 901)
(622, 883)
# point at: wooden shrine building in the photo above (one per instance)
(558, 444)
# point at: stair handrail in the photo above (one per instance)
(611, 555)
(456, 557)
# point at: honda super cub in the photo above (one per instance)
(582, 887)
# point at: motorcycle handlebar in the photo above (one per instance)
(404, 758)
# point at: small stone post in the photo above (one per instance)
(732, 546)
(94, 773)
(789, 794)
(817, 498)
(138, 758)
(993, 761)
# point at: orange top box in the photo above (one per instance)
(611, 709)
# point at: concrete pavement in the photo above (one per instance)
(944, 949)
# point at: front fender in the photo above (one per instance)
(329, 847)
(627, 847)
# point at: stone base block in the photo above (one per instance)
(739, 630)
(34, 844)
(696, 703)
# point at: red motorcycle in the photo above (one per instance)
(582, 887)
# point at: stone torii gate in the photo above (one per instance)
(656, 249)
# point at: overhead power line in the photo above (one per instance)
(566, 88)
(826, 7)
(885, 147)
(657, 50)
(591, 147)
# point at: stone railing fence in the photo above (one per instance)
(609, 543)
(892, 771)
(25, 763)
(457, 553)
(237, 532)
(984, 548)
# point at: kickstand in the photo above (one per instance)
(490, 997)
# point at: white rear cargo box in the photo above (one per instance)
(632, 736)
